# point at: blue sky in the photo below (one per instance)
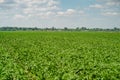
(60, 13)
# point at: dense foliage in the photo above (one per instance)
(59, 55)
(56, 29)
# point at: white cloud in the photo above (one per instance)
(1, 1)
(53, 8)
(45, 14)
(96, 6)
(39, 7)
(50, 13)
(81, 12)
(52, 3)
(68, 12)
(110, 13)
(111, 7)
(109, 3)
(106, 7)
(112, 3)
(60, 13)
(42, 15)
(19, 16)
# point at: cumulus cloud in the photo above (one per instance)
(1, 1)
(96, 6)
(111, 3)
(81, 12)
(52, 3)
(7, 4)
(39, 7)
(107, 7)
(44, 15)
(42, 8)
(112, 8)
(19, 16)
(110, 13)
(33, 4)
(68, 12)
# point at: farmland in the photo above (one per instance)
(47, 55)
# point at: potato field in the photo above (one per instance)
(59, 55)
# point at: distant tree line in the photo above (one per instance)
(56, 29)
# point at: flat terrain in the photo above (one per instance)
(59, 55)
